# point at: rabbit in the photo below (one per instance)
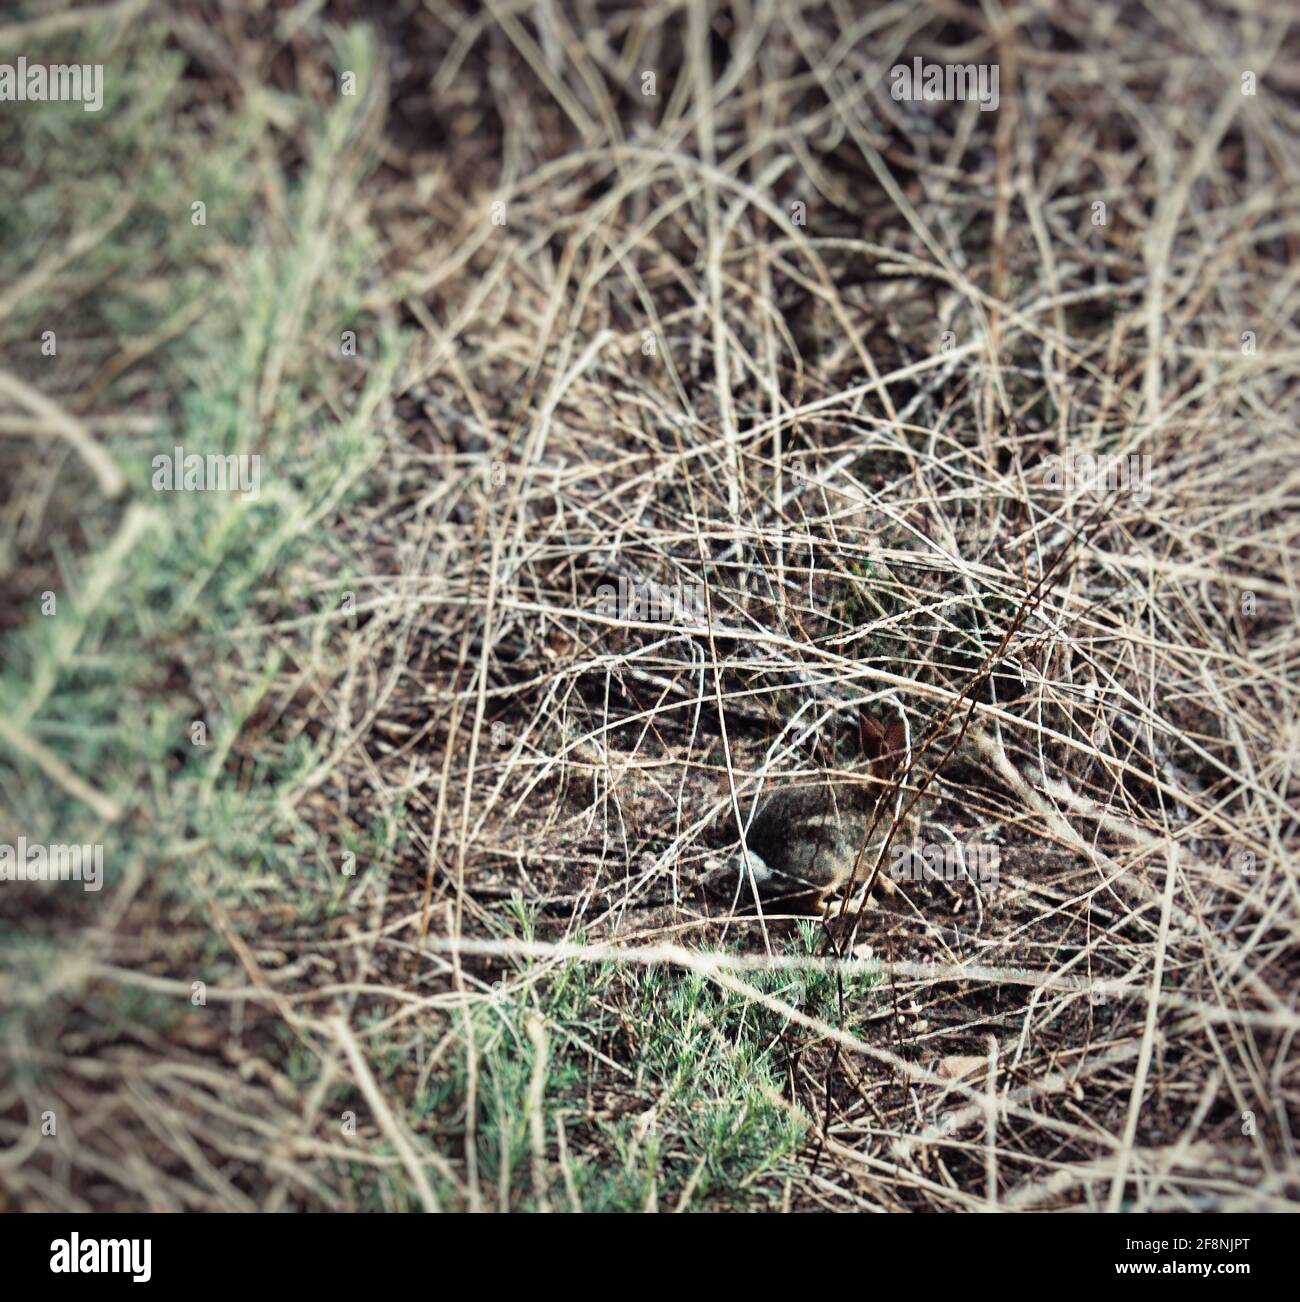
(803, 843)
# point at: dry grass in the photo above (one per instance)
(839, 429)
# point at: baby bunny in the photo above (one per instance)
(803, 842)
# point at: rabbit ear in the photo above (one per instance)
(888, 748)
(896, 740)
(871, 736)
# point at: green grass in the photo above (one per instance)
(668, 1086)
(154, 634)
(159, 595)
